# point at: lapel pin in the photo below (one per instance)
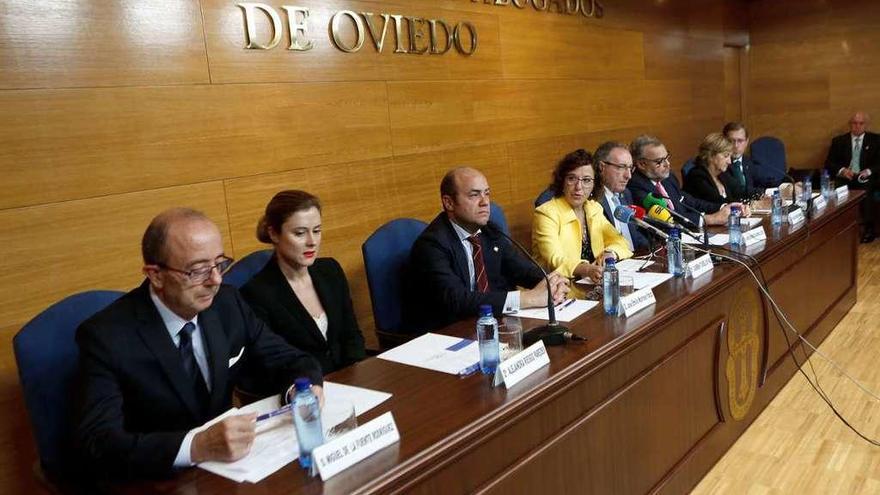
(495, 248)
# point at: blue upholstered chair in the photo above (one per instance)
(546, 195)
(686, 169)
(386, 253)
(47, 358)
(496, 215)
(245, 268)
(768, 155)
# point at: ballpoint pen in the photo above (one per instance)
(277, 412)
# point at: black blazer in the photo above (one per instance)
(735, 190)
(640, 241)
(700, 185)
(640, 185)
(135, 406)
(840, 154)
(274, 301)
(438, 283)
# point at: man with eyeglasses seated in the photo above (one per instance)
(163, 360)
(652, 176)
(615, 166)
(462, 261)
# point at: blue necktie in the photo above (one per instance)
(623, 228)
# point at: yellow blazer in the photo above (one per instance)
(556, 235)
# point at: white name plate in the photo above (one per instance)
(754, 236)
(637, 301)
(354, 446)
(699, 266)
(524, 363)
(819, 203)
(842, 193)
(795, 216)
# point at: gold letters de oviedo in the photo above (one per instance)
(421, 36)
(586, 8)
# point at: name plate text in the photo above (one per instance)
(754, 236)
(796, 216)
(699, 266)
(637, 301)
(354, 446)
(842, 193)
(524, 363)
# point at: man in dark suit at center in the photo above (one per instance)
(653, 176)
(461, 261)
(853, 159)
(163, 360)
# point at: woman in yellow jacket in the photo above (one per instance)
(570, 233)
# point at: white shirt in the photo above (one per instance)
(620, 226)
(174, 323)
(511, 302)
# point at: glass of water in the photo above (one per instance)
(510, 337)
(338, 417)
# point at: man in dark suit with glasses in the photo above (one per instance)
(163, 360)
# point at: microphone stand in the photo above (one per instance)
(702, 219)
(552, 333)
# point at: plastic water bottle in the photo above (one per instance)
(674, 259)
(825, 184)
(307, 421)
(734, 226)
(776, 209)
(487, 336)
(610, 287)
(808, 191)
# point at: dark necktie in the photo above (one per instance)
(481, 281)
(190, 366)
(586, 248)
(738, 172)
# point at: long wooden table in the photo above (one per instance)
(648, 404)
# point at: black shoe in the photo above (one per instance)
(868, 237)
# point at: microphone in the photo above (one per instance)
(627, 214)
(651, 200)
(659, 213)
(552, 333)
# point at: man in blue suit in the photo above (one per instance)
(615, 166)
(653, 176)
(739, 174)
(461, 261)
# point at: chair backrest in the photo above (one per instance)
(686, 169)
(47, 356)
(496, 214)
(386, 253)
(546, 195)
(244, 269)
(768, 155)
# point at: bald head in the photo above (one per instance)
(858, 123)
(172, 221)
(464, 192)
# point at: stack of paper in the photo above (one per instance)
(565, 312)
(275, 445)
(437, 352)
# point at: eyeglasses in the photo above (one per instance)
(620, 166)
(659, 161)
(199, 275)
(571, 180)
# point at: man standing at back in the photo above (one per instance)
(615, 170)
(853, 159)
(740, 170)
(163, 359)
(461, 261)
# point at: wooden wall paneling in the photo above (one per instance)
(732, 84)
(807, 135)
(794, 59)
(231, 62)
(572, 43)
(779, 95)
(89, 142)
(680, 57)
(781, 20)
(52, 251)
(57, 44)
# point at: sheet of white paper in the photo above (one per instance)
(275, 445)
(714, 239)
(632, 265)
(649, 279)
(568, 313)
(431, 351)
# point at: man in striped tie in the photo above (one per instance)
(462, 261)
(853, 159)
